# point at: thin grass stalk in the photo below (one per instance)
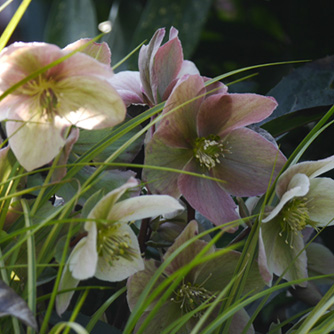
(31, 262)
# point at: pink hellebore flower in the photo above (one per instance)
(209, 136)
(110, 251)
(159, 69)
(304, 201)
(74, 92)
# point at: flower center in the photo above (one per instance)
(293, 218)
(49, 102)
(209, 150)
(192, 296)
(113, 244)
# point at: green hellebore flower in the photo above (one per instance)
(305, 201)
(110, 251)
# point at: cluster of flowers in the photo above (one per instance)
(204, 131)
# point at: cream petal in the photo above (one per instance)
(117, 270)
(141, 207)
(90, 103)
(298, 186)
(84, 256)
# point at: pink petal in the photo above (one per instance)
(207, 197)
(98, 51)
(223, 113)
(248, 168)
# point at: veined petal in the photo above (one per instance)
(166, 66)
(122, 268)
(83, 259)
(298, 186)
(128, 86)
(310, 168)
(321, 198)
(145, 61)
(98, 51)
(188, 67)
(42, 138)
(178, 128)
(67, 281)
(102, 209)
(207, 197)
(249, 165)
(92, 104)
(222, 113)
(141, 207)
(157, 153)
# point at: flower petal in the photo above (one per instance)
(67, 281)
(249, 167)
(281, 255)
(122, 268)
(207, 197)
(310, 168)
(222, 113)
(128, 86)
(141, 207)
(98, 51)
(45, 137)
(83, 259)
(157, 153)
(179, 127)
(298, 186)
(93, 104)
(321, 198)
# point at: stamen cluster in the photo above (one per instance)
(209, 150)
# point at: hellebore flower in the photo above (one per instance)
(110, 251)
(209, 136)
(159, 69)
(200, 285)
(304, 201)
(74, 92)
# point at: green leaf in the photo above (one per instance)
(306, 87)
(14, 305)
(70, 20)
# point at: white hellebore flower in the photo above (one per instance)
(110, 251)
(74, 92)
(305, 200)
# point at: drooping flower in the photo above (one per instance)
(209, 136)
(159, 69)
(110, 251)
(74, 92)
(201, 285)
(304, 201)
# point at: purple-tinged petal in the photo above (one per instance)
(128, 86)
(140, 207)
(248, 168)
(282, 252)
(298, 186)
(220, 114)
(188, 254)
(320, 201)
(121, 268)
(179, 127)
(215, 88)
(145, 61)
(137, 283)
(159, 154)
(98, 51)
(43, 139)
(207, 197)
(188, 67)
(166, 66)
(94, 104)
(310, 168)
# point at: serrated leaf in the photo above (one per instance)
(12, 304)
(70, 20)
